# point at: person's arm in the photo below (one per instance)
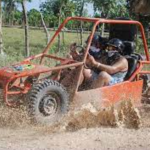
(121, 65)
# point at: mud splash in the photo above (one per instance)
(13, 117)
(88, 117)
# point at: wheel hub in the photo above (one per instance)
(48, 105)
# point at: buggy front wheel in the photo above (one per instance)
(47, 102)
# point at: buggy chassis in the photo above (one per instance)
(105, 96)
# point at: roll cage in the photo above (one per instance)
(96, 22)
(8, 77)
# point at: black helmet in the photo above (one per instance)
(96, 39)
(116, 43)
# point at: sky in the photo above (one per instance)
(35, 4)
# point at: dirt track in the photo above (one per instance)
(43, 138)
(85, 139)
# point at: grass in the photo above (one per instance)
(13, 40)
(13, 43)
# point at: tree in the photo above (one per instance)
(34, 17)
(49, 12)
(80, 4)
(111, 8)
(25, 18)
(139, 6)
(9, 10)
(141, 10)
(18, 17)
(1, 41)
(12, 4)
(11, 15)
(45, 29)
(23, 3)
(59, 8)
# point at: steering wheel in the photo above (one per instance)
(80, 49)
(77, 52)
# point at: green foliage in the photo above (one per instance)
(49, 7)
(18, 17)
(53, 9)
(20, 1)
(11, 14)
(34, 17)
(145, 20)
(111, 8)
(79, 7)
(9, 8)
(139, 46)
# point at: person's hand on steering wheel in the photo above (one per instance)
(76, 52)
(90, 61)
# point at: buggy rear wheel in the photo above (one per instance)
(47, 102)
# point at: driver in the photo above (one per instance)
(113, 71)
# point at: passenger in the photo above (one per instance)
(96, 46)
(112, 71)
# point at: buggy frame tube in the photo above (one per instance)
(119, 22)
(96, 21)
(86, 54)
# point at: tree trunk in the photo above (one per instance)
(81, 23)
(1, 41)
(63, 37)
(25, 17)
(11, 14)
(103, 30)
(140, 7)
(59, 35)
(59, 22)
(81, 32)
(12, 20)
(45, 29)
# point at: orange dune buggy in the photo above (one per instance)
(48, 99)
